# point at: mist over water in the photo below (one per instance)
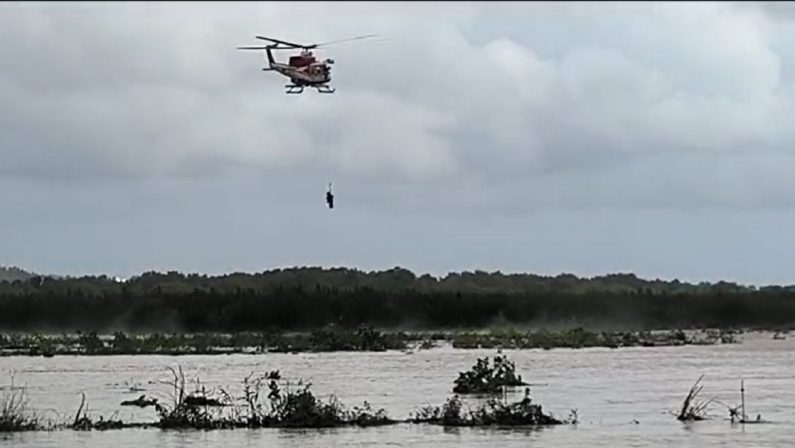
(612, 389)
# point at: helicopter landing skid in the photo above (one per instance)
(293, 89)
(325, 89)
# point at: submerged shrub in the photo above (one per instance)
(363, 338)
(84, 422)
(485, 378)
(523, 412)
(449, 414)
(494, 412)
(294, 408)
(366, 416)
(302, 409)
(14, 412)
(194, 410)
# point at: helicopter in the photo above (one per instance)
(303, 69)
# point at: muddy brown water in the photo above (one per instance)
(624, 397)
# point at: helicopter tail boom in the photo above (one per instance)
(270, 57)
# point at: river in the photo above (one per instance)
(624, 397)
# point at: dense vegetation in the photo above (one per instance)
(310, 298)
(335, 339)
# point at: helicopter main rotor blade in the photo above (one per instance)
(253, 48)
(289, 44)
(325, 44)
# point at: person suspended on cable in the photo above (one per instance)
(329, 197)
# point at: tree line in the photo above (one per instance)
(305, 298)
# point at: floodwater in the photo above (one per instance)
(624, 397)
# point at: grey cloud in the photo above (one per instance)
(130, 93)
(474, 130)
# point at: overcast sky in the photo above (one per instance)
(587, 138)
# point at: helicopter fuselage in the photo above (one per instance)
(312, 75)
(304, 71)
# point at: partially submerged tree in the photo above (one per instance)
(693, 409)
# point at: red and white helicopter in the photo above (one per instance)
(303, 69)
